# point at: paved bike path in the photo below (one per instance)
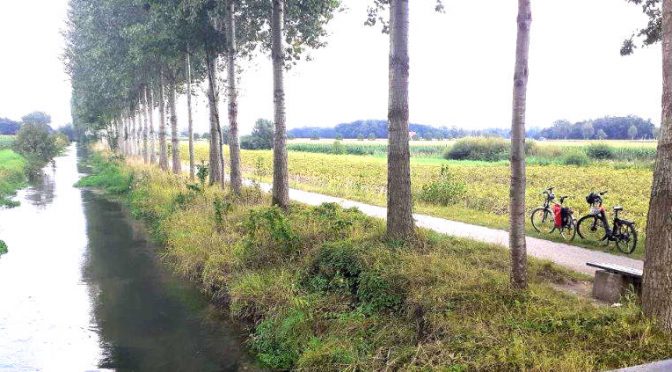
(566, 255)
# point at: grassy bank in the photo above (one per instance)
(12, 176)
(484, 199)
(319, 288)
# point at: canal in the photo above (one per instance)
(82, 288)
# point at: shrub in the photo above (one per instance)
(477, 148)
(336, 268)
(445, 190)
(600, 151)
(378, 292)
(269, 238)
(575, 157)
(3, 248)
(35, 141)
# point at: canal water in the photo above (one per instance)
(82, 289)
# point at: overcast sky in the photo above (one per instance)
(461, 66)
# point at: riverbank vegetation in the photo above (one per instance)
(483, 199)
(321, 288)
(23, 156)
(12, 176)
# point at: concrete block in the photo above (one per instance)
(609, 287)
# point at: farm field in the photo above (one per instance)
(484, 200)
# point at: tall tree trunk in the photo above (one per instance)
(121, 142)
(280, 172)
(174, 140)
(134, 134)
(145, 130)
(152, 135)
(220, 139)
(137, 125)
(234, 145)
(127, 146)
(518, 182)
(657, 286)
(399, 198)
(213, 98)
(163, 147)
(192, 165)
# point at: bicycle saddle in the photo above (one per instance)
(618, 208)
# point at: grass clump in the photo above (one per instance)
(320, 288)
(575, 157)
(443, 190)
(107, 174)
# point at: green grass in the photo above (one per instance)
(12, 176)
(6, 141)
(485, 203)
(107, 174)
(320, 288)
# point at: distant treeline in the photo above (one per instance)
(9, 126)
(626, 127)
(378, 129)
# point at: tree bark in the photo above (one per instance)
(174, 140)
(213, 94)
(518, 181)
(122, 135)
(399, 198)
(163, 147)
(657, 285)
(234, 145)
(192, 165)
(134, 134)
(145, 130)
(280, 172)
(149, 106)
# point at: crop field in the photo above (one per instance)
(492, 149)
(481, 195)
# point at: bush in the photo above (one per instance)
(336, 268)
(600, 151)
(269, 238)
(477, 148)
(575, 157)
(37, 142)
(3, 248)
(377, 292)
(445, 190)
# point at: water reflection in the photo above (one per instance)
(81, 289)
(147, 319)
(43, 186)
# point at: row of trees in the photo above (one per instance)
(128, 57)
(625, 127)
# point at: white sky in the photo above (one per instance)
(461, 66)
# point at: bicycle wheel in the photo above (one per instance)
(542, 220)
(569, 232)
(591, 228)
(626, 238)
